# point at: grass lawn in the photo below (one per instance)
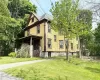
(58, 69)
(5, 60)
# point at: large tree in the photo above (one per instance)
(18, 8)
(12, 13)
(97, 40)
(65, 15)
(66, 18)
(85, 17)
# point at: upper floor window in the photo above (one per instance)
(61, 44)
(77, 38)
(71, 46)
(49, 43)
(28, 32)
(49, 27)
(32, 19)
(55, 38)
(77, 46)
(38, 28)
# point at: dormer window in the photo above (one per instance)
(32, 19)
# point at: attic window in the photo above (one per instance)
(33, 19)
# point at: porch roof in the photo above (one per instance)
(28, 37)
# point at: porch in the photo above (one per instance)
(34, 44)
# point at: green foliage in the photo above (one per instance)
(3, 8)
(97, 40)
(11, 26)
(69, 19)
(12, 54)
(18, 8)
(64, 17)
(24, 51)
(85, 18)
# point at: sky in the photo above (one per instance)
(44, 6)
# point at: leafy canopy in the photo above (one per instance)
(65, 15)
(69, 19)
(18, 8)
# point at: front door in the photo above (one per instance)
(36, 52)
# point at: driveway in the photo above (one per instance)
(5, 76)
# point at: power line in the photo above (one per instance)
(40, 6)
(51, 2)
(40, 10)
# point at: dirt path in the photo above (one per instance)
(11, 65)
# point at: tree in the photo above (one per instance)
(66, 17)
(3, 9)
(4, 20)
(85, 17)
(97, 40)
(18, 8)
(11, 25)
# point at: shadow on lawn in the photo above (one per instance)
(95, 70)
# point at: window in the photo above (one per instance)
(71, 46)
(77, 38)
(61, 44)
(33, 19)
(28, 32)
(38, 28)
(66, 43)
(77, 46)
(49, 43)
(55, 38)
(49, 27)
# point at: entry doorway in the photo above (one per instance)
(36, 49)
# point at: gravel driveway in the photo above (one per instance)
(5, 76)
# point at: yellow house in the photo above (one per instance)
(43, 40)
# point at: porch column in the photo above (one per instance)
(31, 48)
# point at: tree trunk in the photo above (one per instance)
(67, 56)
(67, 47)
(80, 55)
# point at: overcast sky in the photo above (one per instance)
(44, 6)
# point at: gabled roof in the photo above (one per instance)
(38, 17)
(46, 16)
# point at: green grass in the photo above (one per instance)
(58, 69)
(5, 60)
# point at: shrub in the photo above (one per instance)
(23, 52)
(12, 54)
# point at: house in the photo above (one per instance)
(43, 40)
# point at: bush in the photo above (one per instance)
(23, 52)
(12, 54)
